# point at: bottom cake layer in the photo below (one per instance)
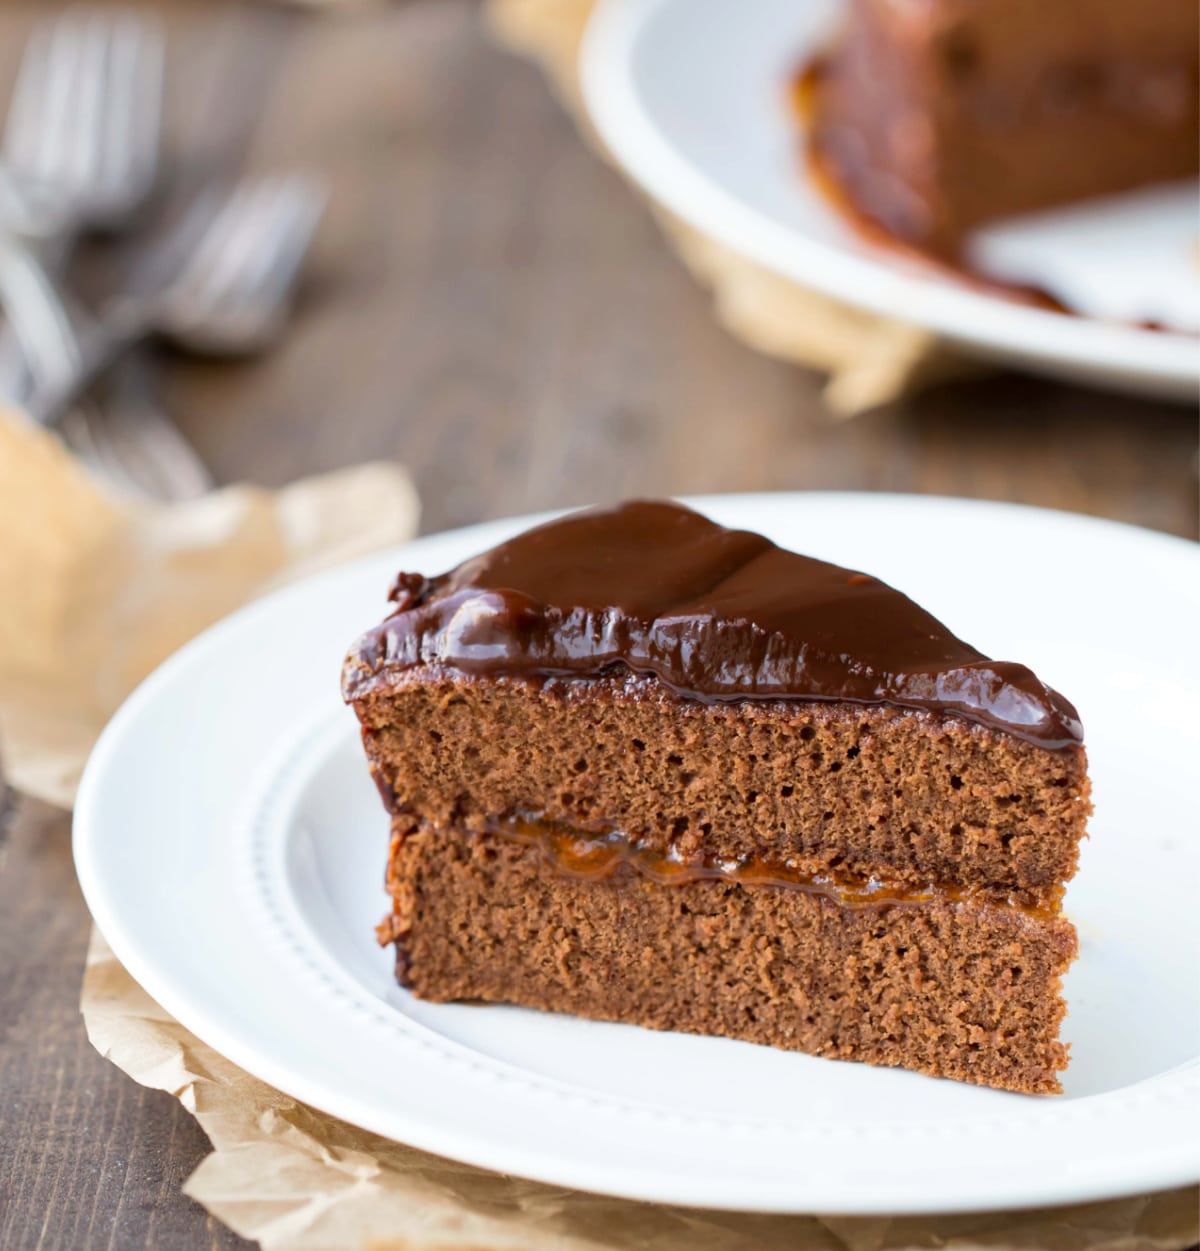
(954, 989)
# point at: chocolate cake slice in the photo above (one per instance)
(643, 768)
(933, 116)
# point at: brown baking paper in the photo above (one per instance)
(93, 593)
(96, 591)
(870, 360)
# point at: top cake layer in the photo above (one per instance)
(713, 614)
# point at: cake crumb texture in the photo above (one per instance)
(864, 792)
(969, 991)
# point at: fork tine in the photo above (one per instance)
(227, 246)
(262, 235)
(37, 319)
(65, 72)
(133, 101)
(119, 112)
(284, 240)
(22, 129)
(307, 207)
(244, 246)
(152, 62)
(84, 117)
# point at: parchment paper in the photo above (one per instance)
(870, 360)
(93, 593)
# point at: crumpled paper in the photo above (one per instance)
(298, 1180)
(870, 360)
(96, 591)
(93, 593)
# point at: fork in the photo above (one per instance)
(29, 213)
(86, 115)
(80, 153)
(132, 445)
(220, 283)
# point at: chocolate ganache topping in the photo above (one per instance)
(713, 614)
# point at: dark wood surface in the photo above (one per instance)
(491, 305)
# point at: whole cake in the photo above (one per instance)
(932, 116)
(643, 768)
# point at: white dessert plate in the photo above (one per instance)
(691, 98)
(231, 847)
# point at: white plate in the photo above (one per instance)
(231, 848)
(691, 98)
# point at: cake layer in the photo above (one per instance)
(935, 117)
(966, 990)
(901, 797)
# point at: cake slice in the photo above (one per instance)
(643, 768)
(933, 117)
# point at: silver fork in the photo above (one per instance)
(221, 283)
(80, 153)
(31, 214)
(130, 444)
(86, 115)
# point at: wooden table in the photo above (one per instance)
(492, 306)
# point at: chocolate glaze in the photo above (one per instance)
(713, 614)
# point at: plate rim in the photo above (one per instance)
(1165, 362)
(125, 946)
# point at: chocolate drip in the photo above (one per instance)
(713, 614)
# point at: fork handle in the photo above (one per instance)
(123, 325)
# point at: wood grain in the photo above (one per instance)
(87, 1157)
(493, 306)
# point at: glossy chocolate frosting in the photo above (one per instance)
(713, 614)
